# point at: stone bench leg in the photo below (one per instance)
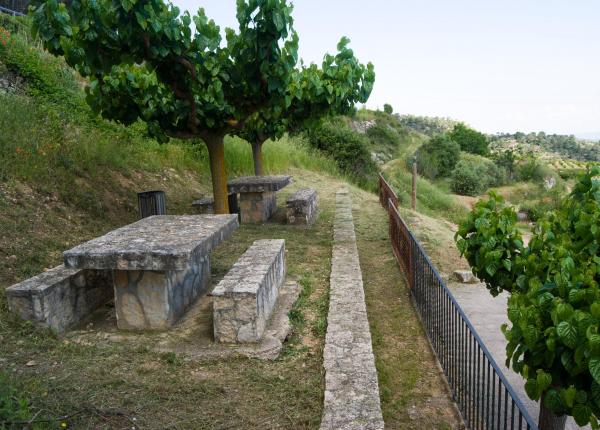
(155, 300)
(256, 208)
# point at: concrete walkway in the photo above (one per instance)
(351, 387)
(487, 314)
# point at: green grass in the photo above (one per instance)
(412, 391)
(432, 200)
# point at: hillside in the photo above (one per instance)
(67, 176)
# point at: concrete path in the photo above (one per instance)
(487, 314)
(351, 387)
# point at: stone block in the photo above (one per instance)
(60, 297)
(465, 277)
(256, 208)
(301, 207)
(245, 298)
(155, 300)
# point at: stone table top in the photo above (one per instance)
(163, 242)
(258, 184)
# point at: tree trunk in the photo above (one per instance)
(549, 421)
(216, 152)
(258, 158)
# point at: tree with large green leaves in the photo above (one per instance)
(313, 93)
(554, 297)
(144, 63)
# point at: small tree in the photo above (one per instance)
(387, 108)
(144, 63)
(554, 302)
(469, 140)
(334, 89)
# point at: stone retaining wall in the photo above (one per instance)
(245, 298)
(351, 386)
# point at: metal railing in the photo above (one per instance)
(14, 7)
(484, 396)
(10, 11)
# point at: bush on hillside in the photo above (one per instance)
(381, 134)
(469, 140)
(531, 169)
(437, 157)
(387, 108)
(348, 148)
(473, 175)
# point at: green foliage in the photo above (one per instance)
(554, 303)
(334, 89)
(14, 410)
(530, 169)
(437, 158)
(567, 146)
(426, 125)
(383, 135)
(469, 140)
(387, 108)
(474, 174)
(349, 149)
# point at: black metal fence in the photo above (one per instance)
(14, 7)
(484, 397)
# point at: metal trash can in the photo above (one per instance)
(152, 203)
(234, 208)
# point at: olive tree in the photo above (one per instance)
(143, 62)
(313, 93)
(554, 297)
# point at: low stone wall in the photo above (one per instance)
(245, 298)
(60, 297)
(301, 207)
(351, 386)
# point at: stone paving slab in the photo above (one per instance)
(351, 386)
(159, 243)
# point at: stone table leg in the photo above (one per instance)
(257, 208)
(155, 300)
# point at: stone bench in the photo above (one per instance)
(302, 207)
(245, 298)
(60, 297)
(206, 206)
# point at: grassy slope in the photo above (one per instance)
(66, 177)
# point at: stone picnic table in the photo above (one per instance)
(160, 264)
(257, 201)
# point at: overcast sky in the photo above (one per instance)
(507, 65)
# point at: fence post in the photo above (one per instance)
(414, 185)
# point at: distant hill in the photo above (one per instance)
(567, 146)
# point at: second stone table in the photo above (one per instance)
(161, 264)
(257, 201)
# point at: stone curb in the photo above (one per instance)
(351, 386)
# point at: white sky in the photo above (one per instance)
(507, 65)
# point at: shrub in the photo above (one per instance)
(467, 179)
(387, 108)
(349, 149)
(554, 302)
(469, 140)
(437, 157)
(474, 174)
(382, 134)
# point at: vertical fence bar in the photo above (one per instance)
(470, 370)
